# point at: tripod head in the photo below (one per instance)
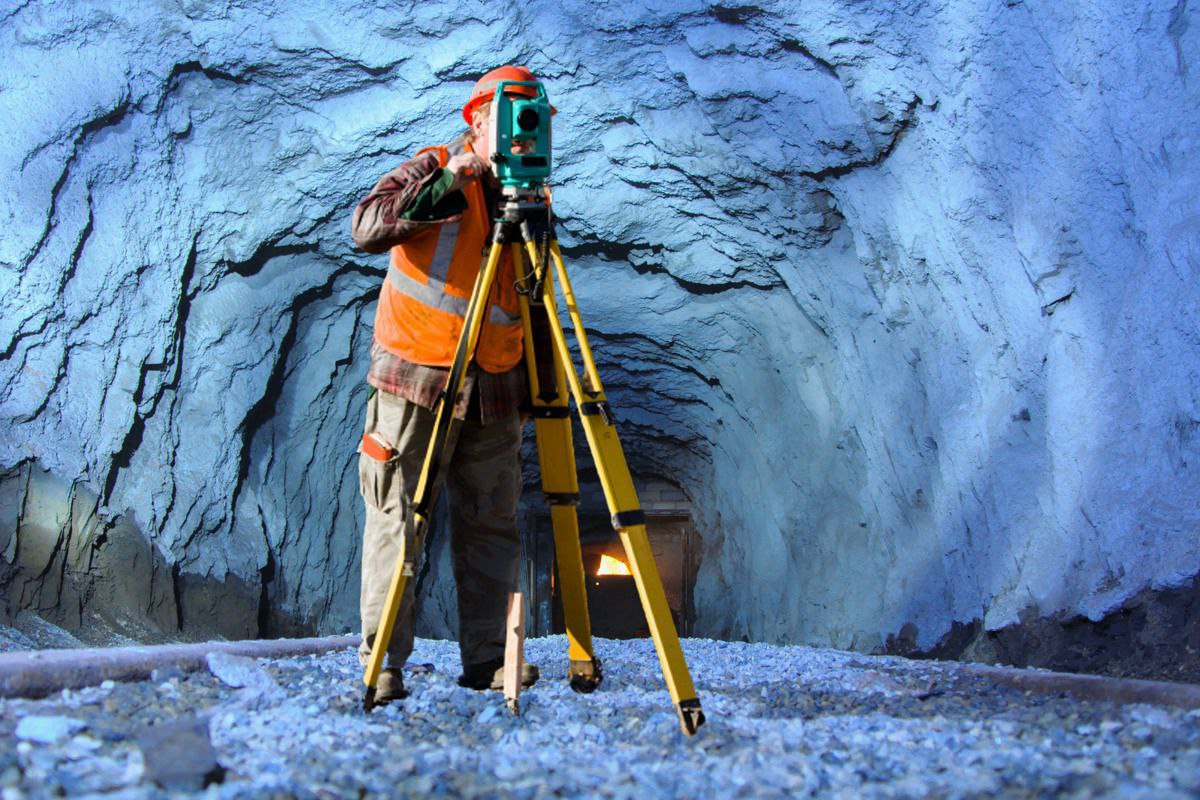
(519, 138)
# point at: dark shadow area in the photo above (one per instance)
(73, 579)
(1155, 635)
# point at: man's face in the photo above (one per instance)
(479, 129)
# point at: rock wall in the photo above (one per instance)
(901, 294)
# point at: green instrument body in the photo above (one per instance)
(519, 136)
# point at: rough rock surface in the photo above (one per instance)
(901, 294)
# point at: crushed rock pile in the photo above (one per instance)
(782, 722)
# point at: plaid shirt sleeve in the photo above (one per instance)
(405, 202)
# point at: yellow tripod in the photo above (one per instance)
(556, 456)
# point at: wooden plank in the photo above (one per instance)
(514, 650)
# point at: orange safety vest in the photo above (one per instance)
(423, 303)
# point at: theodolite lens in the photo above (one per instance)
(528, 119)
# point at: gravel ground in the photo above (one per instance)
(782, 722)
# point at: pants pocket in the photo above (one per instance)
(379, 482)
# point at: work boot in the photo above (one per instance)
(490, 675)
(390, 686)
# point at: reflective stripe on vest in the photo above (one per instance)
(433, 294)
(443, 253)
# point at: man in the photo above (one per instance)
(434, 215)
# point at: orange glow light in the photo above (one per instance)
(612, 566)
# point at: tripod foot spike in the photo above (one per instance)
(369, 700)
(690, 716)
(585, 676)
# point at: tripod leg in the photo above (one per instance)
(583, 671)
(560, 486)
(391, 606)
(627, 516)
(424, 495)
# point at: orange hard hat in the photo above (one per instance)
(485, 87)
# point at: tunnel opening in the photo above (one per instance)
(614, 607)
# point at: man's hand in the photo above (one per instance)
(465, 167)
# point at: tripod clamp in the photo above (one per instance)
(513, 226)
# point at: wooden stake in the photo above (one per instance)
(514, 650)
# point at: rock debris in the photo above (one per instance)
(782, 722)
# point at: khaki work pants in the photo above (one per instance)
(483, 476)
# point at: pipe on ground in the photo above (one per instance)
(37, 673)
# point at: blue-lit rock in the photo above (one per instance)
(903, 295)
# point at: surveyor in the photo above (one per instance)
(433, 215)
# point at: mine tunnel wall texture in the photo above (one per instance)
(901, 294)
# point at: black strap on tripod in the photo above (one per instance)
(537, 226)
